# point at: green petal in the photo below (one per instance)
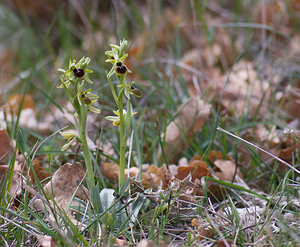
(127, 94)
(111, 72)
(68, 144)
(124, 57)
(112, 118)
(85, 77)
(94, 109)
(115, 54)
(67, 134)
(115, 46)
(108, 53)
(89, 71)
(117, 112)
(61, 70)
(116, 123)
(110, 61)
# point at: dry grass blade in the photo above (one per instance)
(259, 148)
(18, 225)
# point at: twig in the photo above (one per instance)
(259, 148)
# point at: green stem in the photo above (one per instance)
(85, 148)
(122, 144)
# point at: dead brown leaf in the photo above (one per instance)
(216, 155)
(152, 177)
(225, 243)
(46, 241)
(226, 170)
(267, 135)
(16, 182)
(196, 168)
(13, 103)
(5, 147)
(163, 173)
(288, 153)
(39, 171)
(65, 180)
(204, 230)
(243, 91)
(110, 170)
(146, 243)
(292, 100)
(61, 188)
(120, 242)
(273, 14)
(150, 243)
(180, 131)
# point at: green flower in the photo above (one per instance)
(116, 119)
(75, 71)
(117, 56)
(71, 136)
(129, 89)
(87, 98)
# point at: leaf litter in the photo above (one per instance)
(241, 93)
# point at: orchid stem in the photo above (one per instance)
(85, 148)
(122, 144)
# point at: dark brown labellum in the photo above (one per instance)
(135, 91)
(119, 64)
(85, 99)
(78, 72)
(121, 69)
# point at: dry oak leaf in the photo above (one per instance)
(180, 131)
(146, 243)
(120, 242)
(196, 168)
(204, 230)
(46, 241)
(289, 153)
(214, 155)
(152, 177)
(227, 170)
(150, 243)
(16, 181)
(270, 135)
(163, 173)
(28, 116)
(5, 147)
(225, 243)
(65, 180)
(13, 103)
(62, 186)
(110, 170)
(156, 177)
(244, 90)
(292, 100)
(275, 15)
(39, 171)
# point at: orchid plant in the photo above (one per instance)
(122, 118)
(73, 81)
